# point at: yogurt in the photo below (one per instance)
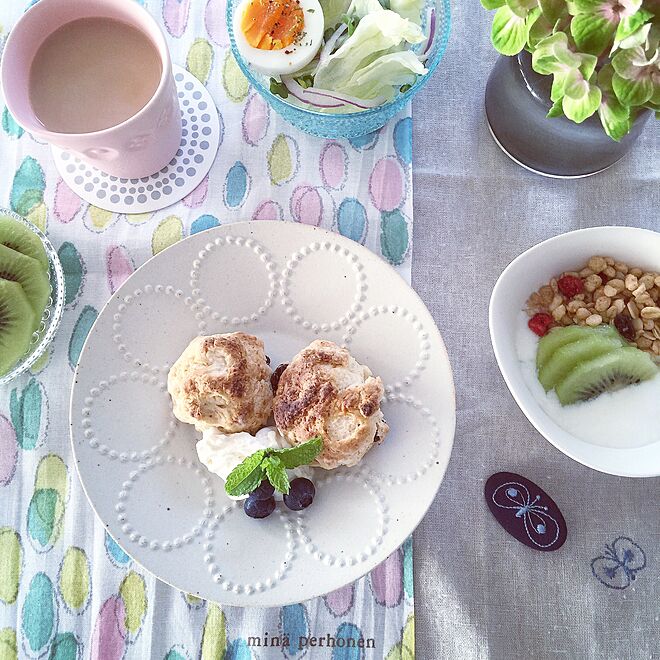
(623, 419)
(222, 452)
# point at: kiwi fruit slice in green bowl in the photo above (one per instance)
(31, 294)
(17, 320)
(30, 274)
(20, 238)
(606, 373)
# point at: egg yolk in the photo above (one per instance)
(272, 24)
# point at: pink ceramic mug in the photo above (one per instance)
(137, 147)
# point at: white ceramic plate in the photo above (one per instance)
(288, 284)
(532, 269)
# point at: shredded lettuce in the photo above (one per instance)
(410, 9)
(308, 70)
(360, 8)
(385, 75)
(373, 59)
(333, 10)
(377, 35)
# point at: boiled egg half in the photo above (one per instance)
(278, 37)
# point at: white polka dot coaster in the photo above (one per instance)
(200, 137)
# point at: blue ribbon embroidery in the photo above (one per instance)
(541, 528)
(617, 568)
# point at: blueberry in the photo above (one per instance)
(256, 508)
(264, 491)
(276, 375)
(301, 494)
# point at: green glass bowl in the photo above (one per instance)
(52, 315)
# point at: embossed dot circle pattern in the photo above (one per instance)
(139, 465)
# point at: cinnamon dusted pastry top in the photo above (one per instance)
(222, 381)
(325, 391)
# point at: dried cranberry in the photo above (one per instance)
(623, 323)
(276, 375)
(540, 324)
(570, 285)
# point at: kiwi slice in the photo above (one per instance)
(16, 267)
(16, 324)
(558, 337)
(17, 236)
(607, 373)
(568, 357)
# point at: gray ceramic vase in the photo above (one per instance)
(517, 102)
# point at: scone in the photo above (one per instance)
(222, 381)
(325, 391)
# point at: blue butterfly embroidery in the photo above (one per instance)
(541, 528)
(617, 568)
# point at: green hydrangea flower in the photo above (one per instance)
(603, 55)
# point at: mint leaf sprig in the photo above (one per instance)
(271, 464)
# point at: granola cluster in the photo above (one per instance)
(605, 291)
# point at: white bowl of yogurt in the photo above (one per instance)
(617, 433)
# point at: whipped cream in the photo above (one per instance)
(222, 452)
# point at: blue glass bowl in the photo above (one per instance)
(352, 124)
